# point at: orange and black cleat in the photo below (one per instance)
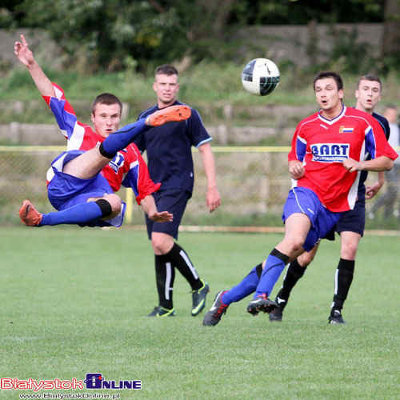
(29, 215)
(169, 114)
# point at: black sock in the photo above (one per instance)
(165, 276)
(181, 260)
(294, 272)
(343, 278)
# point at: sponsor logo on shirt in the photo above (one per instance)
(330, 152)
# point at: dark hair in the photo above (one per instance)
(369, 77)
(329, 74)
(166, 69)
(108, 99)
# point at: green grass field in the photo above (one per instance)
(73, 301)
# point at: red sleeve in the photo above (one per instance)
(137, 176)
(298, 147)
(145, 185)
(60, 95)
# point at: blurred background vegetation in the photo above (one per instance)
(114, 35)
(114, 45)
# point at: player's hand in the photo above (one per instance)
(162, 216)
(213, 199)
(352, 165)
(371, 191)
(23, 53)
(296, 169)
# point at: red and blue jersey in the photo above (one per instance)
(322, 145)
(127, 168)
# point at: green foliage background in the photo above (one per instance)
(114, 35)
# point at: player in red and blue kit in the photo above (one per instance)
(351, 225)
(74, 180)
(328, 149)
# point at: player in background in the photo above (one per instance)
(388, 199)
(326, 158)
(127, 167)
(350, 226)
(169, 155)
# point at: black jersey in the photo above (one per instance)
(364, 174)
(169, 150)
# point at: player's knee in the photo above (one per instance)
(161, 244)
(305, 259)
(111, 205)
(105, 207)
(349, 251)
(295, 245)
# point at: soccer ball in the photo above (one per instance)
(260, 76)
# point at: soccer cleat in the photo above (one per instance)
(336, 317)
(29, 215)
(199, 299)
(261, 303)
(216, 311)
(169, 114)
(276, 314)
(160, 312)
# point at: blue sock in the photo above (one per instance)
(78, 214)
(246, 286)
(122, 137)
(271, 273)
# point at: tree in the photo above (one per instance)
(391, 34)
(111, 34)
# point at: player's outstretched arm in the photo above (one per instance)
(149, 207)
(25, 56)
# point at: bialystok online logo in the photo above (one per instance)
(92, 381)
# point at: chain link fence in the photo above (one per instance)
(253, 183)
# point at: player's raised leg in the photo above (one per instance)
(122, 137)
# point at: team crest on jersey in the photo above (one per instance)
(330, 152)
(117, 162)
(343, 129)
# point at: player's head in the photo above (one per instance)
(329, 75)
(328, 88)
(106, 114)
(390, 113)
(166, 85)
(368, 92)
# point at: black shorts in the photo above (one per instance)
(353, 220)
(350, 221)
(173, 201)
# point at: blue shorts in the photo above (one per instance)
(173, 201)
(305, 201)
(65, 191)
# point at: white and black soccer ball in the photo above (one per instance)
(260, 76)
